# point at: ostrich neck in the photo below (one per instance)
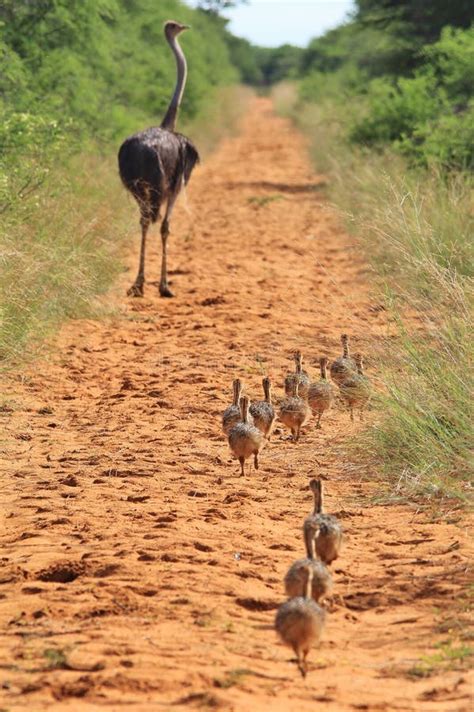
(309, 543)
(266, 390)
(169, 122)
(237, 391)
(318, 501)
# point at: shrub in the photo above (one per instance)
(429, 116)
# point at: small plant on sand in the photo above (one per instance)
(450, 656)
(56, 659)
(260, 201)
(232, 677)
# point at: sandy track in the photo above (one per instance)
(134, 555)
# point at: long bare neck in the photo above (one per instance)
(267, 392)
(244, 409)
(318, 498)
(309, 534)
(237, 391)
(298, 362)
(309, 584)
(169, 122)
(323, 369)
(345, 347)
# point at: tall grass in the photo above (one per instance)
(62, 246)
(415, 227)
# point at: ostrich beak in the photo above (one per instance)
(185, 27)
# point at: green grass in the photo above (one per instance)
(449, 656)
(416, 229)
(62, 247)
(59, 253)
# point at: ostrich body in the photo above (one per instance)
(245, 439)
(300, 621)
(294, 411)
(263, 412)
(154, 165)
(299, 376)
(324, 528)
(345, 365)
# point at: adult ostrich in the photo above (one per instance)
(154, 165)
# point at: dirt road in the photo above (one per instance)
(139, 571)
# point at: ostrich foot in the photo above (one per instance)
(165, 291)
(136, 290)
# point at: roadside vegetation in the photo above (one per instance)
(75, 79)
(386, 100)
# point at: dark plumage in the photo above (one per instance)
(156, 163)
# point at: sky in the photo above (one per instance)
(274, 22)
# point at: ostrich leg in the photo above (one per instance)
(136, 290)
(165, 231)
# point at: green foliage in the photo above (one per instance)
(217, 6)
(367, 49)
(450, 655)
(423, 108)
(278, 63)
(244, 56)
(395, 111)
(428, 116)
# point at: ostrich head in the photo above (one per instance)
(173, 29)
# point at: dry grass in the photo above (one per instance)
(416, 229)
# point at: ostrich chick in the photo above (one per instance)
(245, 439)
(321, 393)
(299, 622)
(263, 412)
(295, 579)
(232, 414)
(356, 388)
(343, 366)
(294, 411)
(325, 528)
(299, 376)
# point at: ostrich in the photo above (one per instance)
(154, 165)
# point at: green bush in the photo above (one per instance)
(429, 116)
(395, 112)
